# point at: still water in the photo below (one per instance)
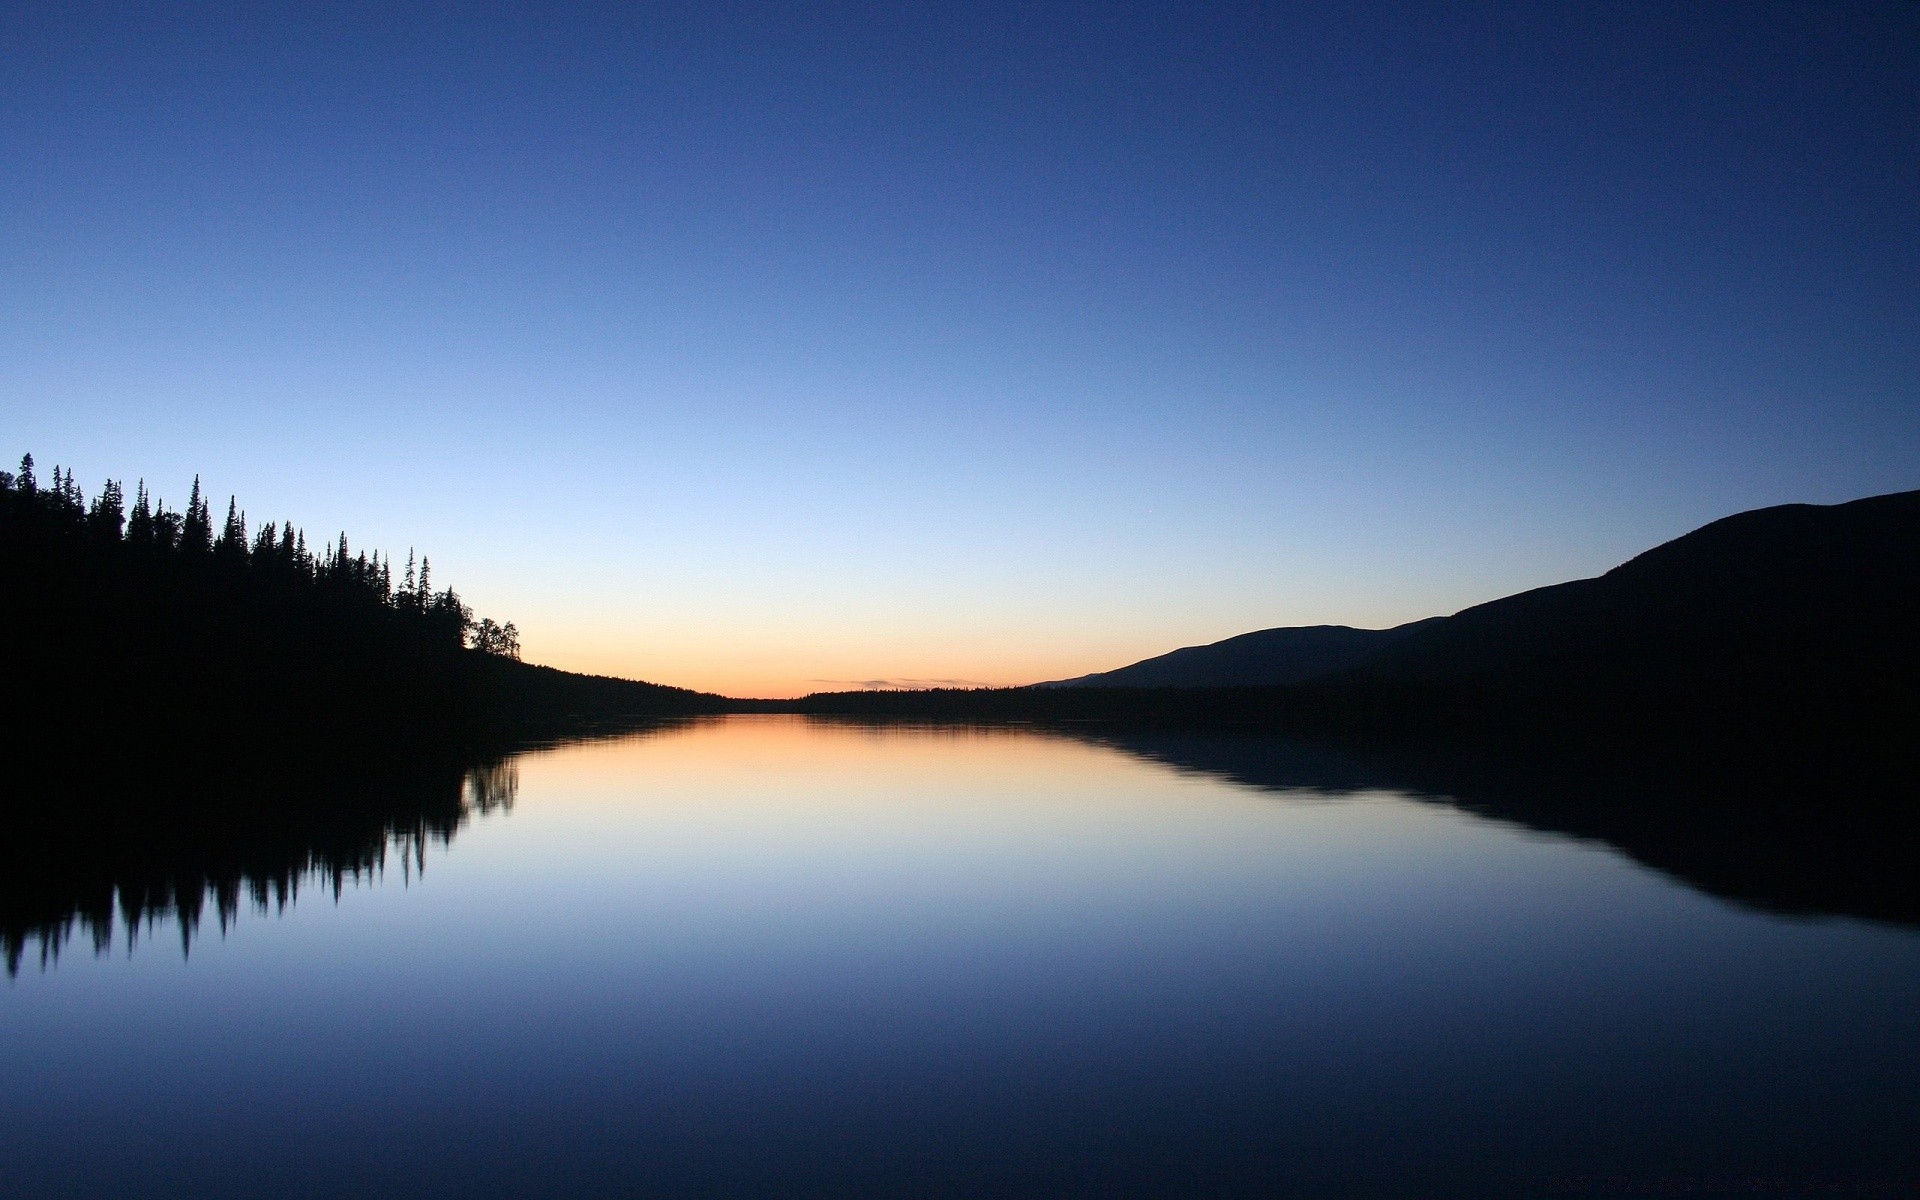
(763, 956)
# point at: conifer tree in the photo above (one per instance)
(166, 527)
(108, 516)
(140, 523)
(231, 548)
(196, 526)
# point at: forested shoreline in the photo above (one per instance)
(137, 628)
(157, 549)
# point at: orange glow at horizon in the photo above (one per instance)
(765, 667)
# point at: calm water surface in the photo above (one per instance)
(760, 956)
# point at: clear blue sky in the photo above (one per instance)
(747, 349)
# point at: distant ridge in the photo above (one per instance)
(1264, 658)
(1808, 604)
(1784, 640)
(1800, 607)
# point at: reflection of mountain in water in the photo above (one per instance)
(1840, 840)
(144, 853)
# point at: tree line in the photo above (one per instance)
(151, 547)
(156, 635)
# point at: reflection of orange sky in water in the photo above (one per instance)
(792, 753)
(749, 786)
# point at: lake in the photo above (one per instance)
(773, 956)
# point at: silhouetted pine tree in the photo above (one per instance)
(230, 549)
(167, 526)
(196, 527)
(140, 522)
(107, 518)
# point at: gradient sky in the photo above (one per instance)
(763, 350)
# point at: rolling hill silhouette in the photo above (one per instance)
(1804, 608)
(1290, 654)
(1797, 597)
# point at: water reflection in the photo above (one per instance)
(767, 956)
(1840, 838)
(1837, 840)
(154, 853)
(148, 855)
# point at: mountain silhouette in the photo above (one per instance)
(1290, 654)
(1796, 597)
(1805, 610)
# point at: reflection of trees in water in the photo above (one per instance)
(493, 786)
(102, 861)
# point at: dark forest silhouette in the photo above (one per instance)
(159, 548)
(135, 627)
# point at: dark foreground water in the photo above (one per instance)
(762, 957)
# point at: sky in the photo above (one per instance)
(767, 349)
